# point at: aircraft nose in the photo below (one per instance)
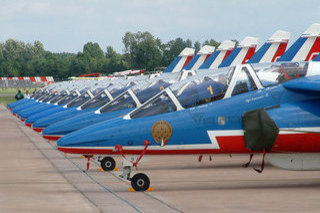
(70, 124)
(54, 129)
(94, 135)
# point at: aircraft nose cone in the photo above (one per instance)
(94, 135)
(55, 129)
(40, 115)
(71, 124)
(53, 118)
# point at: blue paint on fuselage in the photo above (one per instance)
(45, 113)
(19, 102)
(190, 126)
(27, 113)
(29, 106)
(59, 116)
(81, 121)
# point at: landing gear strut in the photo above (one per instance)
(108, 163)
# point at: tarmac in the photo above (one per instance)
(35, 177)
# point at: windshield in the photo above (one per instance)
(123, 101)
(68, 98)
(47, 98)
(37, 94)
(98, 101)
(57, 98)
(146, 94)
(117, 91)
(272, 74)
(189, 95)
(80, 100)
(161, 104)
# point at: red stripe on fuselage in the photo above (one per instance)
(315, 48)
(37, 129)
(51, 137)
(285, 143)
(249, 54)
(281, 49)
(28, 124)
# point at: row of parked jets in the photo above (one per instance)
(218, 101)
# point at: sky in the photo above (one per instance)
(66, 25)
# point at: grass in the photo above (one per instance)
(11, 91)
(7, 99)
(7, 95)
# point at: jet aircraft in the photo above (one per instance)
(275, 114)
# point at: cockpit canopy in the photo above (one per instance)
(221, 83)
(84, 97)
(97, 101)
(74, 94)
(280, 72)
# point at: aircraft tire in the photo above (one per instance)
(108, 163)
(140, 182)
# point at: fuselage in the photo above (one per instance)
(215, 127)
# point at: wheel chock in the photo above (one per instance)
(101, 170)
(150, 189)
(115, 169)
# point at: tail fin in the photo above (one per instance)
(181, 60)
(224, 49)
(307, 46)
(317, 58)
(242, 53)
(201, 57)
(273, 49)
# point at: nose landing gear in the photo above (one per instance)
(108, 164)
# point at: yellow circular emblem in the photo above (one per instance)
(161, 132)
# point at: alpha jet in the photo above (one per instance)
(252, 108)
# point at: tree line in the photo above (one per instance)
(142, 50)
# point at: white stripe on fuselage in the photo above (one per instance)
(212, 135)
(283, 131)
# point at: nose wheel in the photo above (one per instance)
(140, 182)
(108, 163)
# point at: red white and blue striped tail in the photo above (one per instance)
(273, 49)
(181, 61)
(203, 54)
(215, 59)
(307, 46)
(242, 53)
